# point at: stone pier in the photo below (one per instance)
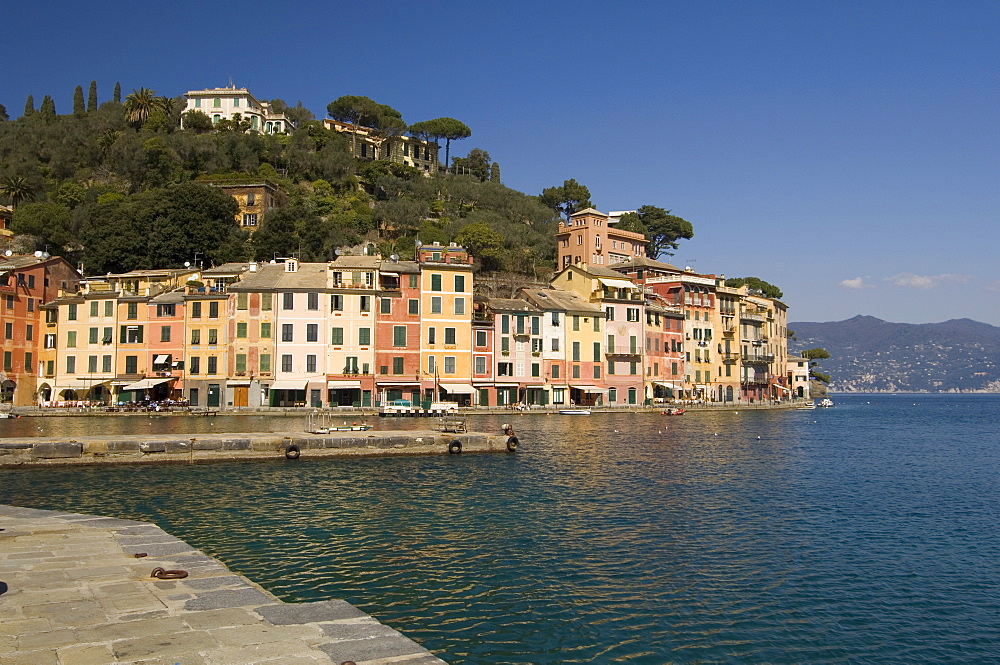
(72, 592)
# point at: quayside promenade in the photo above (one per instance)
(73, 592)
(190, 449)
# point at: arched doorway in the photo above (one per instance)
(729, 393)
(7, 391)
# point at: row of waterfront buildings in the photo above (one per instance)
(611, 328)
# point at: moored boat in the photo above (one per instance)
(575, 412)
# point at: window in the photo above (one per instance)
(29, 332)
(196, 310)
(312, 332)
(265, 301)
(364, 336)
(366, 303)
(449, 364)
(105, 364)
(536, 345)
(213, 365)
(576, 322)
(132, 311)
(555, 343)
(413, 306)
(166, 310)
(217, 102)
(312, 300)
(311, 363)
(94, 307)
(93, 336)
(288, 301)
(265, 362)
(286, 362)
(505, 324)
(431, 364)
(92, 364)
(131, 364)
(50, 340)
(449, 336)
(536, 369)
(8, 332)
(505, 344)
(242, 301)
(480, 365)
(399, 335)
(397, 365)
(576, 351)
(249, 219)
(164, 333)
(241, 330)
(413, 281)
(213, 309)
(555, 318)
(632, 314)
(555, 371)
(213, 336)
(576, 371)
(460, 283)
(505, 369)
(195, 337)
(611, 367)
(8, 361)
(597, 324)
(71, 311)
(435, 304)
(609, 313)
(195, 364)
(597, 352)
(432, 335)
(287, 332)
(435, 282)
(480, 338)
(386, 306)
(460, 306)
(241, 363)
(337, 336)
(597, 371)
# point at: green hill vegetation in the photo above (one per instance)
(118, 186)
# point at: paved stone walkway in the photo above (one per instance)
(73, 593)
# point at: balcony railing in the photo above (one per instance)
(747, 316)
(622, 350)
(758, 358)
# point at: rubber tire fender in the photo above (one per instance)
(455, 447)
(292, 452)
(512, 444)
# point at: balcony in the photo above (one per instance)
(622, 351)
(729, 357)
(748, 316)
(757, 358)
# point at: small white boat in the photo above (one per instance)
(807, 406)
(575, 412)
(826, 402)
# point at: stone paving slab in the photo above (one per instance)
(72, 593)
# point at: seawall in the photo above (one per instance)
(77, 589)
(200, 448)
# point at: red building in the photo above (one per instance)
(397, 333)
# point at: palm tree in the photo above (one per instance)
(139, 105)
(16, 188)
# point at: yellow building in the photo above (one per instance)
(446, 323)
(585, 337)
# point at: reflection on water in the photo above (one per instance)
(847, 535)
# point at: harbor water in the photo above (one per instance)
(862, 533)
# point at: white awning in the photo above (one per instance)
(343, 385)
(616, 283)
(664, 384)
(289, 384)
(145, 383)
(594, 390)
(159, 360)
(78, 384)
(787, 390)
(458, 388)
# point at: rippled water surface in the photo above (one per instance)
(863, 533)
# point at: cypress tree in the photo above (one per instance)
(118, 93)
(3, 113)
(78, 107)
(92, 97)
(48, 106)
(29, 105)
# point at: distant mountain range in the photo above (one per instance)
(871, 355)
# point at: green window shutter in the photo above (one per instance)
(364, 336)
(241, 330)
(338, 336)
(265, 330)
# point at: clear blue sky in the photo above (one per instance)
(848, 152)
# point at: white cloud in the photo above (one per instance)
(909, 280)
(993, 286)
(855, 284)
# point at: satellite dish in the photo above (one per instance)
(38, 254)
(8, 253)
(187, 264)
(45, 255)
(394, 257)
(337, 251)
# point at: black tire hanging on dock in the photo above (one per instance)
(455, 447)
(512, 443)
(292, 452)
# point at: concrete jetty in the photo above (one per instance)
(72, 592)
(196, 448)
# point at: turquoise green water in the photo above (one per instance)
(863, 533)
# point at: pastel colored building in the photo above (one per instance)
(398, 333)
(226, 103)
(590, 237)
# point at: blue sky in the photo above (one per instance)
(848, 152)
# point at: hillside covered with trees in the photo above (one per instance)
(117, 186)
